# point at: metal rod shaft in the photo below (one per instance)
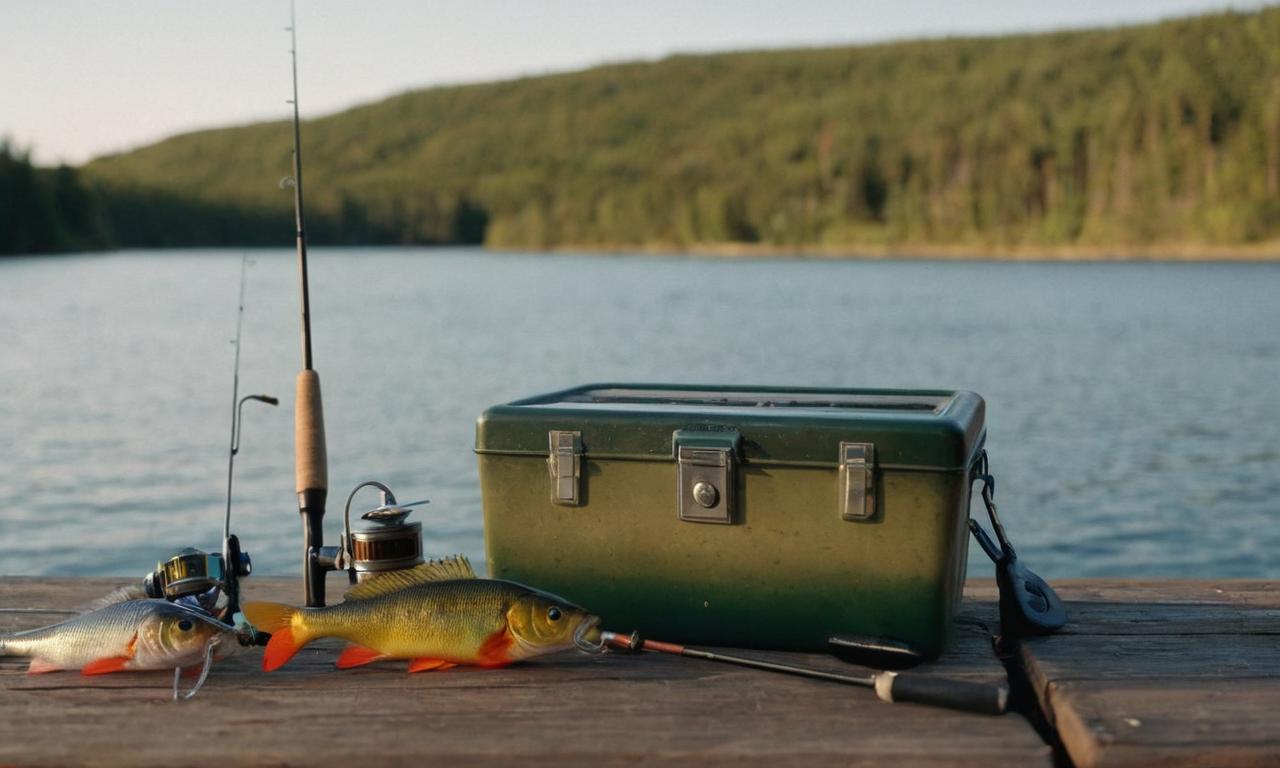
(962, 695)
(235, 401)
(695, 653)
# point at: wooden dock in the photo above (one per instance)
(1148, 672)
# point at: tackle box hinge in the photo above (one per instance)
(564, 461)
(857, 487)
(705, 476)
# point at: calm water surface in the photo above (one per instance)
(1131, 407)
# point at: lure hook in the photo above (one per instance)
(585, 645)
(204, 673)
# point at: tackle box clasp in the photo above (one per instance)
(564, 461)
(705, 477)
(857, 491)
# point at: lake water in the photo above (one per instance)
(1132, 408)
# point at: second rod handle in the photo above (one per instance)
(964, 695)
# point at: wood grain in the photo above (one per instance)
(1173, 672)
(571, 708)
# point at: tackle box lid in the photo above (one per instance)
(916, 429)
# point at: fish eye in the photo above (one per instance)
(553, 613)
(185, 625)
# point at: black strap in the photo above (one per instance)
(1028, 605)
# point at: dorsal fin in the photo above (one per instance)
(445, 569)
(114, 597)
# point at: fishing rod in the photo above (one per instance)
(889, 686)
(311, 470)
(390, 542)
(237, 563)
(194, 577)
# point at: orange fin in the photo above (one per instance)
(357, 656)
(493, 652)
(39, 666)
(426, 664)
(278, 620)
(106, 666)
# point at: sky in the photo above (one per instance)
(81, 78)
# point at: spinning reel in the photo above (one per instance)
(193, 577)
(197, 579)
(388, 543)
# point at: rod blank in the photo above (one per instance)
(891, 687)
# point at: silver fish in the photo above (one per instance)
(135, 635)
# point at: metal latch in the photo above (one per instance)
(564, 460)
(705, 475)
(857, 481)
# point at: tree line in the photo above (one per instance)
(1155, 134)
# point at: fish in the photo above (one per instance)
(437, 615)
(135, 635)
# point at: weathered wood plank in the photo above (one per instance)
(569, 708)
(1172, 721)
(1181, 672)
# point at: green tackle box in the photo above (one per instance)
(757, 517)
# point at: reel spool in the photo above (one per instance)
(389, 544)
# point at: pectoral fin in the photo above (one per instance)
(112, 663)
(106, 666)
(496, 650)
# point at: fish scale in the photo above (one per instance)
(65, 643)
(437, 614)
(117, 631)
(447, 618)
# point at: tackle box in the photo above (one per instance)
(757, 517)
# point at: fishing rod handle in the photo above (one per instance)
(982, 698)
(312, 463)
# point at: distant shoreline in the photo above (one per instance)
(1163, 252)
(1259, 253)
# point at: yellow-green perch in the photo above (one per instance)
(437, 615)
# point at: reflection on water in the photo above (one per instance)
(1131, 407)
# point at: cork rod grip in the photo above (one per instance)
(311, 461)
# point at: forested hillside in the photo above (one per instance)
(46, 210)
(1153, 135)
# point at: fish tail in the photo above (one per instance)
(288, 631)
